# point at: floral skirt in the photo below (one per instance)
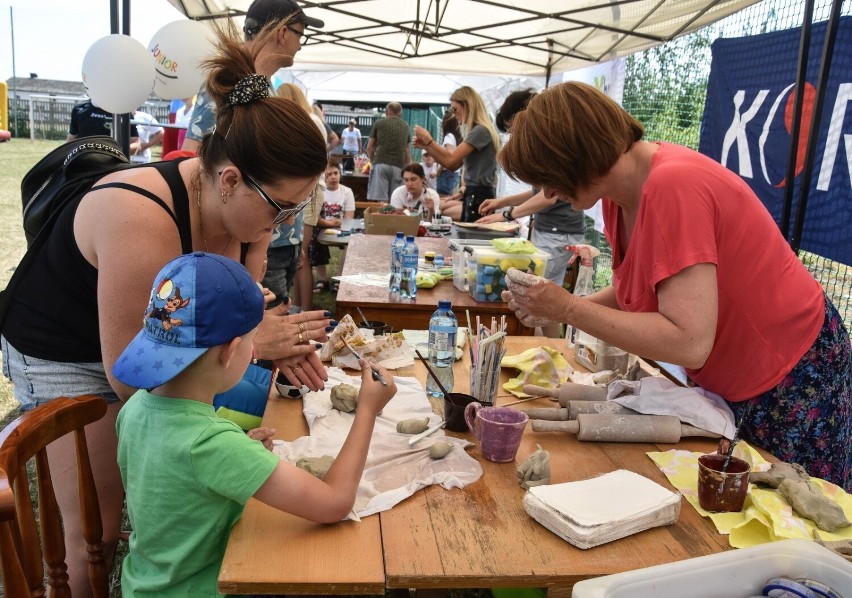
(807, 418)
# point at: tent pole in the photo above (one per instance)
(801, 74)
(816, 117)
(549, 66)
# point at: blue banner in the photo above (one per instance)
(748, 122)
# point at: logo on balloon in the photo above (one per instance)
(178, 49)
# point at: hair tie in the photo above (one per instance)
(249, 89)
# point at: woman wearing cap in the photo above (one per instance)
(702, 276)
(83, 298)
(477, 152)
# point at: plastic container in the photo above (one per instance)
(408, 280)
(596, 355)
(457, 247)
(487, 267)
(443, 327)
(732, 574)
(396, 263)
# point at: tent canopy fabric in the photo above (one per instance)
(534, 38)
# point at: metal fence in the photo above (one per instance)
(48, 117)
(665, 90)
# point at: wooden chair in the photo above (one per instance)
(26, 555)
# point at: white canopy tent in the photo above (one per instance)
(535, 38)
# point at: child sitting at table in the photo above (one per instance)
(188, 473)
(338, 205)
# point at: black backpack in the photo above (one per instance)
(63, 175)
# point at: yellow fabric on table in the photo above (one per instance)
(542, 366)
(766, 515)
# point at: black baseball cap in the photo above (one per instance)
(262, 12)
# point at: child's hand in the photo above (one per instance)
(264, 435)
(374, 395)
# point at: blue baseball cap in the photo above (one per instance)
(199, 300)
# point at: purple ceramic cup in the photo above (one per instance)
(499, 430)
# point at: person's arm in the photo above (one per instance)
(71, 137)
(371, 147)
(452, 160)
(682, 331)
(407, 153)
(296, 491)
(359, 140)
(333, 140)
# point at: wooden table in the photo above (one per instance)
(475, 537)
(371, 254)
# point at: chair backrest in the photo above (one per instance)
(25, 554)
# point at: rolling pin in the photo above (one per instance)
(568, 391)
(605, 427)
(575, 408)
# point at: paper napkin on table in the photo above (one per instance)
(602, 509)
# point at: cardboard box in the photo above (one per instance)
(389, 224)
(735, 573)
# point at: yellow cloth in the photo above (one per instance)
(542, 366)
(766, 515)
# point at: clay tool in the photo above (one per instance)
(568, 391)
(575, 408)
(431, 373)
(361, 313)
(606, 427)
(426, 433)
(376, 375)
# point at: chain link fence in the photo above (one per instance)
(665, 89)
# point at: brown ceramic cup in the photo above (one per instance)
(722, 487)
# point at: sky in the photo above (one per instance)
(52, 36)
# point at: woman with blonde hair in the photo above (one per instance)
(478, 152)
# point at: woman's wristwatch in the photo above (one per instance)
(507, 214)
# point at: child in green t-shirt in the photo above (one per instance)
(189, 473)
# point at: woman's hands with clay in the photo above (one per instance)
(536, 301)
(292, 340)
(304, 369)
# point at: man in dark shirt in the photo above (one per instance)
(388, 151)
(88, 120)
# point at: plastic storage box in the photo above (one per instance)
(732, 574)
(487, 267)
(457, 247)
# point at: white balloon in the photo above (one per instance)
(118, 74)
(178, 49)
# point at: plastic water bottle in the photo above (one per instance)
(585, 284)
(442, 345)
(408, 280)
(396, 264)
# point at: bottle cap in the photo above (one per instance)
(445, 304)
(410, 238)
(400, 234)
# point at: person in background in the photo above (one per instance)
(448, 180)
(203, 461)
(277, 52)
(330, 135)
(88, 120)
(430, 169)
(478, 152)
(182, 118)
(557, 224)
(414, 196)
(80, 303)
(388, 151)
(150, 134)
(339, 204)
(303, 282)
(351, 140)
(702, 277)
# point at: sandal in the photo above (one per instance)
(320, 286)
(334, 286)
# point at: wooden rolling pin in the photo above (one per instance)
(607, 427)
(568, 391)
(575, 408)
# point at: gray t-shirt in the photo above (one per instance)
(391, 136)
(560, 218)
(480, 166)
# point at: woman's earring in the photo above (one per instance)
(225, 196)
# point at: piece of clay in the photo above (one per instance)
(808, 501)
(439, 449)
(316, 466)
(535, 471)
(344, 397)
(839, 547)
(412, 426)
(778, 473)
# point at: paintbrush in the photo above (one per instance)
(376, 375)
(364, 319)
(431, 373)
